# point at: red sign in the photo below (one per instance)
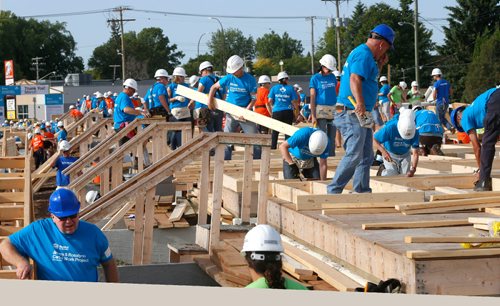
(9, 72)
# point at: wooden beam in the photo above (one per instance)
(11, 197)
(149, 209)
(204, 187)
(448, 205)
(471, 195)
(457, 239)
(140, 201)
(414, 224)
(238, 111)
(421, 254)
(351, 211)
(9, 183)
(263, 186)
(118, 216)
(217, 198)
(246, 196)
(449, 190)
(493, 211)
(482, 220)
(428, 182)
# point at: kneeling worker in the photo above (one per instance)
(299, 154)
(484, 112)
(394, 140)
(262, 249)
(63, 247)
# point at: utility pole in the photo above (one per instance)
(312, 42)
(120, 10)
(114, 71)
(337, 32)
(415, 25)
(36, 62)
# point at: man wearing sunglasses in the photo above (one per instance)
(63, 247)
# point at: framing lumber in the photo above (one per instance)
(421, 254)
(217, 198)
(238, 111)
(457, 239)
(178, 212)
(429, 182)
(263, 186)
(118, 216)
(448, 205)
(493, 211)
(449, 190)
(247, 184)
(204, 188)
(482, 220)
(471, 195)
(414, 224)
(350, 211)
(140, 202)
(11, 197)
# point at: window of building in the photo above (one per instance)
(22, 111)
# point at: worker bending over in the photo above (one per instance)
(484, 112)
(299, 154)
(430, 131)
(394, 140)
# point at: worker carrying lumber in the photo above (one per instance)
(157, 97)
(261, 103)
(284, 101)
(207, 80)
(299, 154)
(359, 80)
(441, 94)
(484, 112)
(323, 98)
(178, 105)
(62, 247)
(394, 141)
(429, 130)
(241, 89)
(262, 249)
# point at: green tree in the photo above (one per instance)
(267, 66)
(24, 39)
(193, 64)
(482, 75)
(145, 52)
(298, 65)
(233, 42)
(272, 45)
(468, 20)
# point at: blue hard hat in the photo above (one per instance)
(42, 126)
(454, 117)
(63, 202)
(386, 32)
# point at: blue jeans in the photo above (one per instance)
(215, 122)
(376, 116)
(358, 146)
(247, 127)
(312, 173)
(441, 110)
(329, 128)
(176, 136)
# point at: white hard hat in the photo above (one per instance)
(109, 93)
(205, 65)
(336, 73)
(264, 79)
(99, 95)
(383, 79)
(403, 85)
(318, 142)
(130, 83)
(282, 75)
(11, 122)
(296, 86)
(161, 73)
(106, 94)
(72, 107)
(262, 238)
(329, 62)
(64, 145)
(414, 84)
(135, 95)
(38, 131)
(60, 124)
(179, 71)
(234, 63)
(193, 80)
(91, 196)
(406, 124)
(436, 71)
(115, 94)
(110, 111)
(87, 97)
(30, 135)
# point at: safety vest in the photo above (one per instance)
(37, 142)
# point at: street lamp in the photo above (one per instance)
(223, 41)
(415, 28)
(199, 40)
(281, 64)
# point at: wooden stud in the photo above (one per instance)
(420, 254)
(148, 226)
(263, 185)
(414, 224)
(246, 196)
(217, 197)
(118, 216)
(458, 239)
(449, 190)
(140, 201)
(204, 187)
(471, 195)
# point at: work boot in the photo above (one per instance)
(436, 150)
(483, 185)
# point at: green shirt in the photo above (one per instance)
(414, 97)
(289, 284)
(396, 94)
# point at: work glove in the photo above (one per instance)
(294, 170)
(180, 98)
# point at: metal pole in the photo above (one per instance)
(123, 43)
(337, 32)
(312, 44)
(199, 40)
(417, 74)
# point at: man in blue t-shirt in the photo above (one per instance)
(63, 247)
(359, 82)
(441, 94)
(62, 133)
(394, 140)
(207, 80)
(299, 154)
(241, 88)
(63, 161)
(430, 131)
(156, 97)
(484, 112)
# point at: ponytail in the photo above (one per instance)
(269, 267)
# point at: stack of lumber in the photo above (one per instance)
(482, 223)
(194, 195)
(166, 213)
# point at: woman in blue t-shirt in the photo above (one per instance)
(283, 100)
(178, 106)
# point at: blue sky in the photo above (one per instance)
(90, 31)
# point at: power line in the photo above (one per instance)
(69, 14)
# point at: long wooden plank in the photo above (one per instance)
(263, 186)
(118, 216)
(238, 111)
(429, 182)
(8, 183)
(246, 196)
(204, 188)
(447, 203)
(11, 212)
(493, 211)
(449, 190)
(327, 273)
(217, 198)
(178, 212)
(350, 211)
(422, 254)
(456, 239)
(482, 220)
(446, 209)
(414, 224)
(149, 221)
(11, 197)
(471, 195)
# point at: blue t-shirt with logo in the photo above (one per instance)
(443, 91)
(119, 116)
(153, 95)
(173, 90)
(427, 123)
(239, 90)
(473, 115)
(360, 62)
(325, 88)
(94, 102)
(389, 136)
(384, 90)
(63, 135)
(307, 110)
(63, 257)
(299, 144)
(62, 163)
(104, 108)
(282, 96)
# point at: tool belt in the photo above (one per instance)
(303, 163)
(325, 111)
(159, 111)
(181, 112)
(202, 115)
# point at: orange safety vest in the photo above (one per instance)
(88, 104)
(37, 142)
(48, 135)
(136, 102)
(110, 104)
(76, 113)
(260, 103)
